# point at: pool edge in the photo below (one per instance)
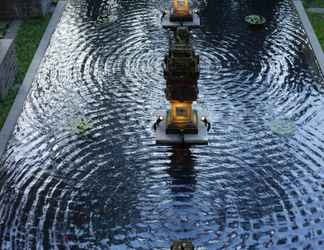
(18, 105)
(310, 33)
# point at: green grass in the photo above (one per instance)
(28, 37)
(313, 3)
(317, 21)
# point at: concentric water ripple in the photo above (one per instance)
(112, 188)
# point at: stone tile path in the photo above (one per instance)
(316, 10)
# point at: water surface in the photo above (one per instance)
(112, 188)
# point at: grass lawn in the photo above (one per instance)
(313, 3)
(318, 25)
(316, 19)
(28, 37)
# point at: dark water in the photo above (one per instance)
(112, 188)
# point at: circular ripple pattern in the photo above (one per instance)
(112, 188)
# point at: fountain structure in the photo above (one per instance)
(181, 124)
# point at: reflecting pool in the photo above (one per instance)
(111, 187)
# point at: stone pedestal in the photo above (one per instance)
(163, 138)
(8, 66)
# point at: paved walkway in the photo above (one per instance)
(316, 10)
(12, 30)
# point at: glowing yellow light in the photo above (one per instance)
(181, 112)
(181, 8)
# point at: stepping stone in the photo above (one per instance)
(316, 10)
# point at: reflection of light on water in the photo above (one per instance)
(196, 248)
(66, 114)
(136, 195)
(108, 12)
(202, 110)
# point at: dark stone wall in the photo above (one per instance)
(31, 8)
(23, 8)
(7, 9)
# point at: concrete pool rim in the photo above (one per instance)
(310, 34)
(18, 105)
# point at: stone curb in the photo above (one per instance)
(8, 66)
(313, 40)
(8, 58)
(12, 30)
(18, 104)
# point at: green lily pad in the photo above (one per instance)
(283, 127)
(103, 19)
(83, 125)
(255, 20)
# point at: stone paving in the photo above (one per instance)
(8, 66)
(8, 62)
(316, 10)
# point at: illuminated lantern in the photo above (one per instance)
(181, 124)
(181, 73)
(181, 11)
(181, 119)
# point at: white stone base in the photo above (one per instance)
(166, 23)
(162, 138)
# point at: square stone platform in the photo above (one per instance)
(162, 138)
(168, 24)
